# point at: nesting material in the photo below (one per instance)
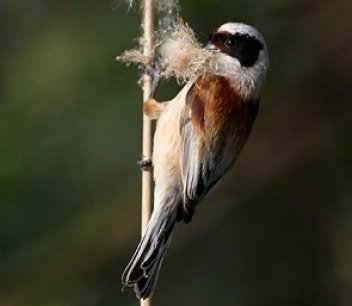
(160, 4)
(178, 52)
(133, 56)
(182, 55)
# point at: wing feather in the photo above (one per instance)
(213, 129)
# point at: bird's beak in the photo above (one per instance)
(209, 46)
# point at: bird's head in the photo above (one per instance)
(242, 55)
(240, 41)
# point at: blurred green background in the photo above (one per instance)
(277, 231)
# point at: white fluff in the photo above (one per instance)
(182, 56)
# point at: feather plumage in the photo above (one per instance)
(214, 127)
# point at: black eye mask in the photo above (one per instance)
(243, 47)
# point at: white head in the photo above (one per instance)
(243, 56)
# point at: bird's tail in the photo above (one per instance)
(143, 269)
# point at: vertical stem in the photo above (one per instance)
(147, 125)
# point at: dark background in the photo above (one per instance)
(278, 229)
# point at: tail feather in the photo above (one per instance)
(143, 269)
(145, 286)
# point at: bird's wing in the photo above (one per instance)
(214, 127)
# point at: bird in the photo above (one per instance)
(198, 136)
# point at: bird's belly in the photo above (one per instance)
(167, 144)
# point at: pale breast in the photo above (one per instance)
(167, 137)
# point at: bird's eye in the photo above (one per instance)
(229, 42)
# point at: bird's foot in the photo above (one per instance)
(145, 164)
(154, 71)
